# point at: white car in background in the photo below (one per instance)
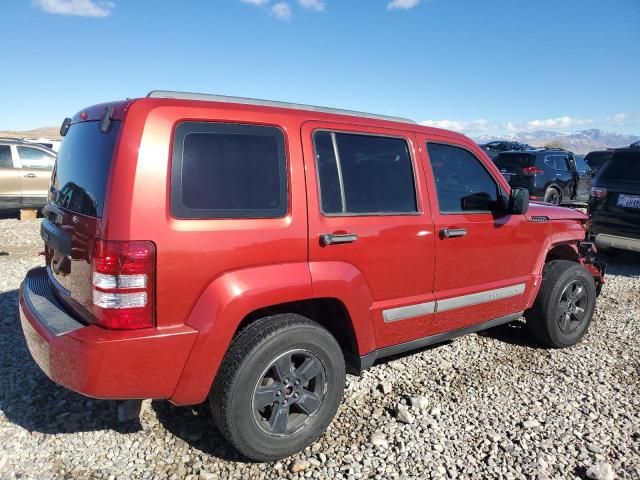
(45, 142)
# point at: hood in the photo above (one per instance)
(554, 213)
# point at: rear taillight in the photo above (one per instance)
(597, 192)
(123, 278)
(532, 171)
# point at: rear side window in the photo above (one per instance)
(82, 167)
(222, 170)
(35, 158)
(5, 157)
(558, 162)
(462, 182)
(364, 174)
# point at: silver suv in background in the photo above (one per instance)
(25, 172)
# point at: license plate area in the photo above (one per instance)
(628, 201)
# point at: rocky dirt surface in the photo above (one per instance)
(493, 405)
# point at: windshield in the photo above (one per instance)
(82, 169)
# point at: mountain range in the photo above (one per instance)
(580, 142)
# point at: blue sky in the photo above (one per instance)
(490, 66)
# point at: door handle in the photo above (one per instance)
(331, 238)
(453, 232)
(30, 175)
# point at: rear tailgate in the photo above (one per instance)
(74, 212)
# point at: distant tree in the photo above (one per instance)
(555, 144)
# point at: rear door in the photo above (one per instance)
(9, 179)
(35, 174)
(369, 224)
(484, 259)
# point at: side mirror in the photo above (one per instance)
(518, 201)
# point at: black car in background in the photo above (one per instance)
(614, 206)
(552, 175)
(493, 149)
(597, 159)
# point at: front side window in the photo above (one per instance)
(462, 182)
(223, 170)
(5, 157)
(35, 158)
(364, 174)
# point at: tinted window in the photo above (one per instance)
(82, 168)
(623, 167)
(597, 159)
(228, 171)
(462, 183)
(34, 158)
(559, 162)
(375, 174)
(5, 157)
(514, 162)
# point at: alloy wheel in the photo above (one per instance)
(289, 392)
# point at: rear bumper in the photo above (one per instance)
(99, 363)
(619, 242)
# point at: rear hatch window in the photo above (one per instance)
(624, 167)
(80, 177)
(515, 162)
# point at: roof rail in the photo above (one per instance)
(269, 103)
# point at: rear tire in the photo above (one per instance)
(552, 196)
(279, 387)
(564, 306)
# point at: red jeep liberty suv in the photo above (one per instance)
(251, 252)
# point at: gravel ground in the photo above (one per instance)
(483, 406)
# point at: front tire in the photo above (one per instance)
(564, 306)
(279, 387)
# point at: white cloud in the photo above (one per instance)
(559, 122)
(80, 8)
(317, 5)
(624, 118)
(482, 126)
(257, 3)
(402, 4)
(467, 126)
(281, 10)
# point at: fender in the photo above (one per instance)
(231, 297)
(568, 234)
(218, 313)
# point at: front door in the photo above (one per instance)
(484, 256)
(370, 225)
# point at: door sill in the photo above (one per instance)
(366, 361)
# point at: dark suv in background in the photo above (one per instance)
(614, 206)
(493, 149)
(552, 175)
